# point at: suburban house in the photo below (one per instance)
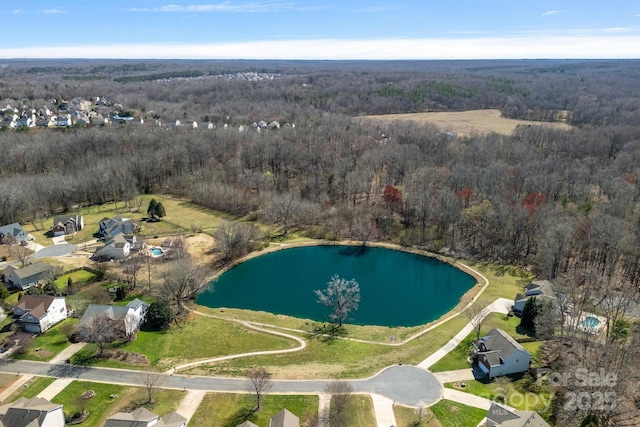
(116, 247)
(142, 417)
(28, 276)
(13, 233)
(130, 317)
(500, 416)
(110, 227)
(37, 313)
(36, 412)
(284, 418)
(498, 354)
(541, 289)
(66, 224)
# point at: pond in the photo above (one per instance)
(396, 288)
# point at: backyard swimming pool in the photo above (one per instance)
(396, 288)
(590, 322)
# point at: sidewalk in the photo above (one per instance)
(383, 407)
(501, 305)
(451, 376)
(467, 398)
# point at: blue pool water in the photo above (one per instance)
(156, 251)
(590, 322)
(396, 288)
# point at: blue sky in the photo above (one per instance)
(321, 29)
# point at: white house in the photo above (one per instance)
(117, 247)
(36, 412)
(501, 416)
(28, 276)
(498, 354)
(130, 317)
(37, 313)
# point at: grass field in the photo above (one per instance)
(467, 122)
(79, 279)
(230, 410)
(359, 412)
(126, 399)
(454, 414)
(44, 346)
(33, 388)
(405, 417)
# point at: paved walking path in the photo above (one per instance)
(190, 403)
(467, 398)
(18, 384)
(383, 407)
(56, 387)
(501, 305)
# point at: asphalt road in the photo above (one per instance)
(406, 385)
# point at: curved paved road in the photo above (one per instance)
(406, 385)
(55, 250)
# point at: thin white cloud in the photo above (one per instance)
(251, 7)
(617, 30)
(551, 12)
(52, 11)
(596, 47)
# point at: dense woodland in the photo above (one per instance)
(563, 204)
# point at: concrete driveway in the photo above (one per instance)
(55, 250)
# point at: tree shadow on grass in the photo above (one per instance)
(327, 333)
(238, 417)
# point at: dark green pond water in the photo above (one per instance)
(396, 288)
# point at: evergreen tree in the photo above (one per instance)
(151, 210)
(160, 315)
(529, 314)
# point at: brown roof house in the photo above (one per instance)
(37, 313)
(31, 275)
(498, 354)
(36, 412)
(142, 417)
(500, 416)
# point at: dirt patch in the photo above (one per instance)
(44, 354)
(199, 246)
(467, 122)
(128, 357)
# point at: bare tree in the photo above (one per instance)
(183, 281)
(259, 383)
(422, 414)
(342, 296)
(477, 315)
(151, 381)
(131, 268)
(100, 330)
(283, 210)
(235, 239)
(23, 254)
(341, 393)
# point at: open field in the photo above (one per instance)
(467, 122)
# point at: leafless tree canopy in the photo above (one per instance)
(259, 383)
(100, 330)
(183, 281)
(342, 296)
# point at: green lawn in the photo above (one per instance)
(454, 414)
(510, 390)
(457, 358)
(45, 346)
(229, 410)
(405, 417)
(79, 278)
(33, 388)
(199, 338)
(359, 412)
(101, 406)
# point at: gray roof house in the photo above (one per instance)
(14, 232)
(36, 412)
(67, 224)
(284, 418)
(110, 227)
(500, 416)
(499, 354)
(131, 315)
(28, 276)
(539, 289)
(142, 417)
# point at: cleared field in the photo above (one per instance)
(467, 122)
